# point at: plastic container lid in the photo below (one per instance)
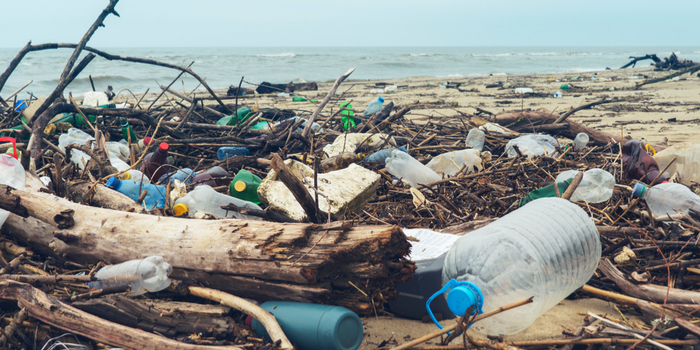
(163, 147)
(113, 183)
(239, 186)
(124, 122)
(147, 140)
(180, 209)
(125, 176)
(463, 296)
(381, 99)
(638, 190)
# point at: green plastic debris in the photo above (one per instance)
(546, 191)
(564, 87)
(346, 116)
(243, 114)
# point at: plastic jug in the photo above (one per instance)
(243, 113)
(596, 186)
(532, 145)
(206, 200)
(155, 164)
(374, 107)
(245, 186)
(11, 173)
(687, 164)
(154, 199)
(403, 166)
(451, 163)
(664, 199)
(382, 155)
(313, 326)
(143, 275)
(546, 249)
(475, 139)
(638, 164)
(225, 152)
(581, 141)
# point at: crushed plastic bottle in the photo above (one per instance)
(403, 166)
(154, 199)
(451, 163)
(315, 126)
(11, 173)
(143, 275)
(667, 198)
(596, 186)
(206, 200)
(183, 175)
(118, 152)
(382, 155)
(374, 107)
(686, 167)
(546, 249)
(475, 139)
(226, 152)
(533, 145)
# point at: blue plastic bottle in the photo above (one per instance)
(374, 107)
(179, 175)
(225, 152)
(154, 199)
(381, 156)
(314, 326)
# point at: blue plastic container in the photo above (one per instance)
(179, 175)
(381, 156)
(154, 199)
(314, 326)
(374, 107)
(225, 152)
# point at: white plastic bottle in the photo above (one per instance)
(476, 139)
(581, 141)
(451, 163)
(532, 145)
(403, 166)
(206, 200)
(596, 186)
(11, 174)
(143, 275)
(118, 152)
(546, 249)
(667, 197)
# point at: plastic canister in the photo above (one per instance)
(245, 186)
(314, 326)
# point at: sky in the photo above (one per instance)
(358, 23)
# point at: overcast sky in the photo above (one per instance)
(301, 23)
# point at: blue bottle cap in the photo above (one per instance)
(463, 296)
(381, 99)
(638, 190)
(113, 183)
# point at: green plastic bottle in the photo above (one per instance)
(546, 191)
(245, 186)
(564, 87)
(127, 132)
(346, 116)
(298, 99)
(243, 114)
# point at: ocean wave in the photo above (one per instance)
(287, 54)
(581, 70)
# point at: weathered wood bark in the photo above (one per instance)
(98, 195)
(51, 311)
(634, 60)
(267, 88)
(27, 204)
(295, 186)
(253, 259)
(530, 120)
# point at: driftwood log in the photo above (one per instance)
(253, 259)
(267, 88)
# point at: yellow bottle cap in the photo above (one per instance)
(180, 209)
(239, 186)
(125, 176)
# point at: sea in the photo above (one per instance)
(226, 66)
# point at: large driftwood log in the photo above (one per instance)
(253, 259)
(26, 204)
(51, 311)
(530, 121)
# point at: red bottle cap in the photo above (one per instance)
(147, 140)
(249, 321)
(163, 147)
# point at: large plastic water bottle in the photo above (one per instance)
(206, 200)
(596, 186)
(403, 166)
(382, 155)
(451, 163)
(532, 145)
(144, 275)
(546, 249)
(667, 198)
(374, 107)
(687, 163)
(11, 174)
(154, 199)
(475, 139)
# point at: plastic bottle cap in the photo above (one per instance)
(638, 190)
(239, 186)
(125, 176)
(460, 298)
(163, 147)
(113, 183)
(147, 140)
(124, 122)
(180, 209)
(381, 99)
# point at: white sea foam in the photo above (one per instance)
(286, 54)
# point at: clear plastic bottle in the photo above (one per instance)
(143, 275)
(403, 166)
(532, 145)
(135, 175)
(374, 107)
(667, 197)
(476, 139)
(382, 155)
(180, 175)
(546, 249)
(596, 186)
(451, 163)
(206, 200)
(118, 152)
(225, 152)
(581, 141)
(686, 165)
(155, 198)
(11, 174)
